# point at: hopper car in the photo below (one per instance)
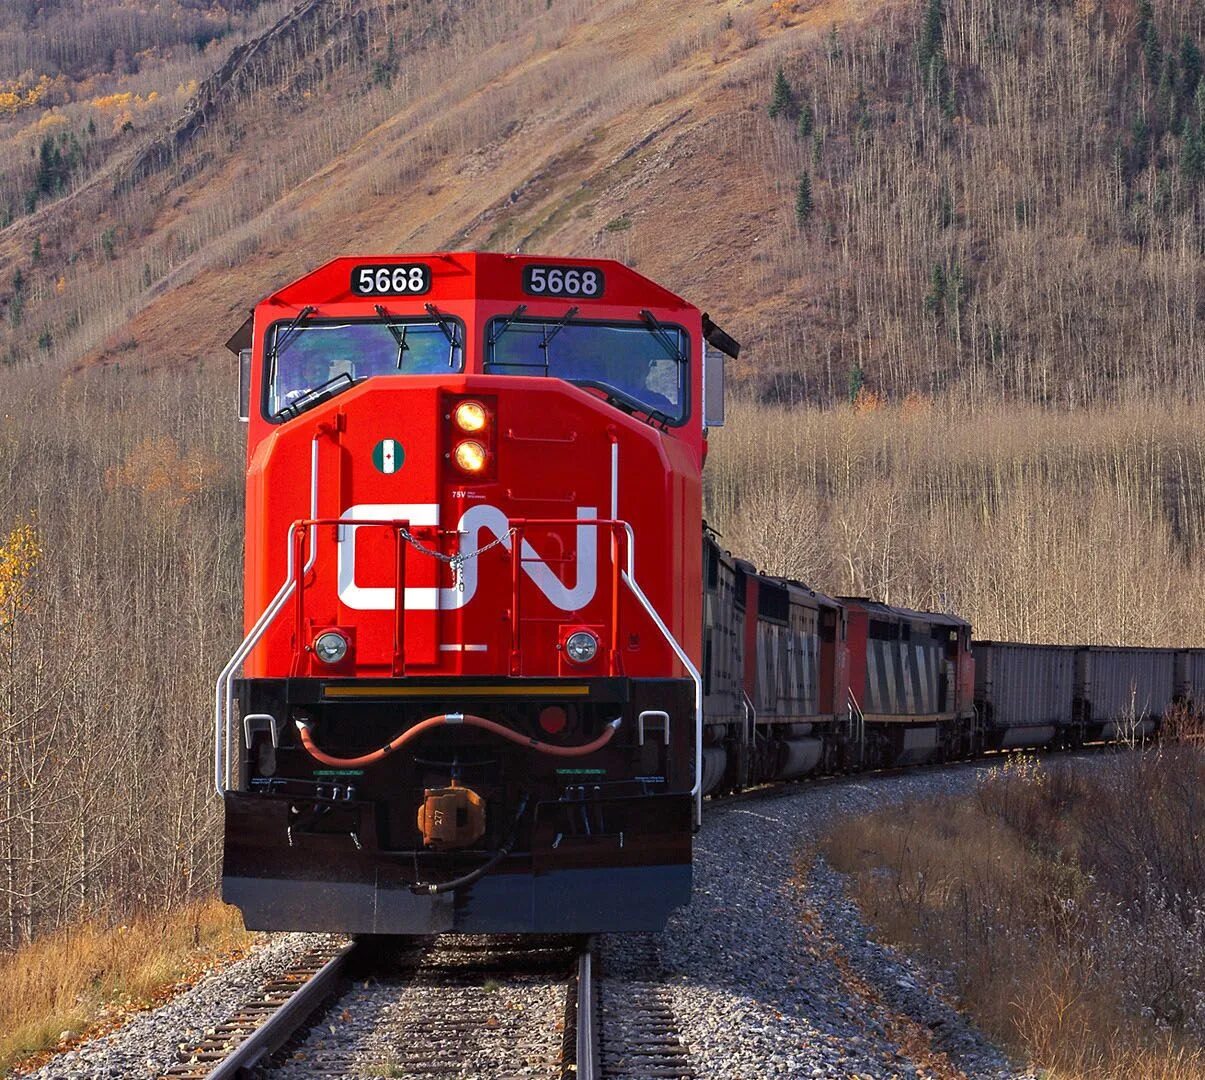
(492, 660)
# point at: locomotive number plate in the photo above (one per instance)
(396, 279)
(578, 282)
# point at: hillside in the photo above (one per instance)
(610, 129)
(988, 184)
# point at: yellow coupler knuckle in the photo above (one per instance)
(451, 817)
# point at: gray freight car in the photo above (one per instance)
(1024, 694)
(1123, 693)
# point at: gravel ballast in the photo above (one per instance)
(769, 976)
(776, 977)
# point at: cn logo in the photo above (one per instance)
(476, 520)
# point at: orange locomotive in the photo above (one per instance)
(469, 695)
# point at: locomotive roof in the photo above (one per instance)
(474, 275)
(874, 607)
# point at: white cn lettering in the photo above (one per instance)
(474, 521)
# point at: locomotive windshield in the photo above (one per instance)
(308, 362)
(638, 365)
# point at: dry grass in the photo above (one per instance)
(1068, 904)
(82, 978)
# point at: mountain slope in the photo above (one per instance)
(616, 129)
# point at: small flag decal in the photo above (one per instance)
(388, 456)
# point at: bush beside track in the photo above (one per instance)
(1066, 898)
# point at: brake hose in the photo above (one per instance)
(307, 740)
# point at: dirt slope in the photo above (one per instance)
(627, 128)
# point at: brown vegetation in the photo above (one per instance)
(68, 983)
(626, 129)
(1067, 902)
(119, 600)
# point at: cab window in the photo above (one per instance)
(309, 363)
(638, 366)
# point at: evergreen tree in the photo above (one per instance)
(782, 103)
(803, 198)
(1148, 35)
(1192, 154)
(932, 32)
(857, 379)
(861, 112)
(1140, 137)
(931, 56)
(1190, 68)
(807, 120)
(945, 208)
(936, 298)
(1165, 97)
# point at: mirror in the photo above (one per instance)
(713, 387)
(244, 384)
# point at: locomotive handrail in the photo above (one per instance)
(224, 691)
(628, 576)
(294, 583)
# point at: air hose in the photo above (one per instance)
(307, 740)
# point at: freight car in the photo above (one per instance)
(1069, 695)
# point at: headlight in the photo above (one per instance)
(469, 456)
(470, 416)
(330, 647)
(582, 647)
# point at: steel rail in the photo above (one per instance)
(587, 1027)
(282, 1022)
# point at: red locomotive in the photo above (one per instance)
(468, 698)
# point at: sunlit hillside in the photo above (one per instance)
(614, 129)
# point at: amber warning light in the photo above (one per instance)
(470, 416)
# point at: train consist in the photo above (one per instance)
(489, 670)
(796, 682)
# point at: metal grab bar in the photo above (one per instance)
(750, 725)
(224, 688)
(517, 525)
(696, 791)
(628, 577)
(294, 583)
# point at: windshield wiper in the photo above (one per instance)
(496, 333)
(281, 341)
(662, 335)
(398, 330)
(449, 330)
(551, 331)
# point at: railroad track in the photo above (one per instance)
(621, 1030)
(265, 1022)
(456, 1006)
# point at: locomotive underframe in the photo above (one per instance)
(570, 844)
